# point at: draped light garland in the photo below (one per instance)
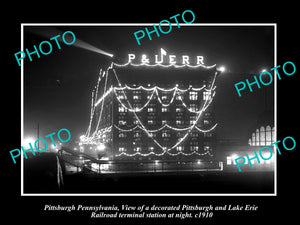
(93, 105)
(165, 66)
(166, 150)
(163, 127)
(98, 133)
(176, 92)
(87, 139)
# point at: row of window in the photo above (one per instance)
(263, 137)
(193, 96)
(164, 134)
(155, 122)
(178, 148)
(192, 107)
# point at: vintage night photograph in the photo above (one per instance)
(143, 109)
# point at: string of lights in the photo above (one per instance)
(137, 118)
(135, 109)
(163, 127)
(98, 133)
(159, 88)
(160, 154)
(165, 66)
(155, 93)
(149, 133)
(87, 133)
(93, 106)
(105, 93)
(101, 109)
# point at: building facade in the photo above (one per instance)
(143, 112)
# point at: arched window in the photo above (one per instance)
(250, 142)
(253, 139)
(257, 137)
(273, 135)
(262, 137)
(268, 135)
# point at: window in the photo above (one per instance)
(194, 134)
(137, 149)
(193, 95)
(253, 139)
(122, 135)
(122, 122)
(151, 109)
(179, 110)
(192, 122)
(152, 134)
(179, 148)
(137, 134)
(193, 107)
(273, 135)
(262, 138)
(228, 160)
(165, 134)
(178, 97)
(121, 96)
(268, 135)
(250, 142)
(122, 149)
(206, 95)
(151, 148)
(151, 122)
(257, 137)
(179, 122)
(193, 117)
(206, 122)
(194, 148)
(137, 97)
(207, 134)
(207, 114)
(122, 109)
(164, 97)
(165, 109)
(206, 148)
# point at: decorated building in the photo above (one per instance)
(158, 108)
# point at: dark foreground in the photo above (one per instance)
(41, 177)
(172, 183)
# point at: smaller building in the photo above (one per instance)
(228, 153)
(264, 136)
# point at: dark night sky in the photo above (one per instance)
(58, 86)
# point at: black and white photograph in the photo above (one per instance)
(185, 115)
(143, 122)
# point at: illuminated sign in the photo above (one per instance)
(163, 58)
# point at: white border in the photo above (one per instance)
(147, 24)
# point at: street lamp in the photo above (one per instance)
(28, 140)
(222, 69)
(101, 147)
